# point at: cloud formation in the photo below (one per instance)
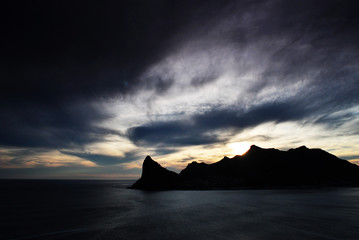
(286, 62)
(202, 128)
(102, 159)
(164, 75)
(54, 126)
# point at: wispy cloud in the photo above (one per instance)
(102, 159)
(159, 76)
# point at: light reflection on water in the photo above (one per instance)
(107, 210)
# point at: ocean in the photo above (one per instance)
(81, 209)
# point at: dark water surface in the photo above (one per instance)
(68, 209)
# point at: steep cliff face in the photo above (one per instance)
(258, 168)
(154, 176)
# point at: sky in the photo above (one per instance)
(90, 88)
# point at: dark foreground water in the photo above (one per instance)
(64, 209)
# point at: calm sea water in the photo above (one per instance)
(64, 209)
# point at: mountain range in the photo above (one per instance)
(258, 168)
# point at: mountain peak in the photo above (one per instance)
(154, 176)
(149, 163)
(258, 168)
(302, 147)
(254, 147)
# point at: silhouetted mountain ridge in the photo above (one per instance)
(258, 168)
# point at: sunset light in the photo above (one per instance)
(239, 148)
(203, 119)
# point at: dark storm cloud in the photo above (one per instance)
(200, 129)
(55, 126)
(306, 40)
(336, 120)
(174, 133)
(57, 54)
(61, 49)
(227, 118)
(101, 159)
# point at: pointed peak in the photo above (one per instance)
(149, 162)
(254, 147)
(150, 166)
